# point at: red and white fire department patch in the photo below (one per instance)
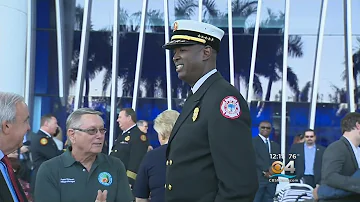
(230, 107)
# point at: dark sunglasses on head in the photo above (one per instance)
(264, 127)
(309, 136)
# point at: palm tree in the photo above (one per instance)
(269, 61)
(303, 95)
(184, 9)
(356, 69)
(241, 11)
(154, 21)
(99, 53)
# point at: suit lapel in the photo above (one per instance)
(5, 192)
(262, 146)
(302, 152)
(192, 102)
(317, 153)
(348, 145)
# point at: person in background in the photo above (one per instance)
(267, 152)
(131, 146)
(58, 138)
(43, 146)
(14, 124)
(151, 175)
(308, 159)
(341, 160)
(299, 138)
(144, 126)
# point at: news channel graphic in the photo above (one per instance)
(277, 167)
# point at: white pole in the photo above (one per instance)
(200, 10)
(84, 44)
(114, 74)
(139, 53)
(231, 43)
(316, 74)
(284, 80)
(253, 53)
(348, 55)
(167, 55)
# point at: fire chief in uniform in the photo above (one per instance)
(210, 155)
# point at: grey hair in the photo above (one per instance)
(8, 103)
(73, 121)
(141, 122)
(164, 123)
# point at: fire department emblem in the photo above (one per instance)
(230, 107)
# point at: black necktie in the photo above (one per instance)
(267, 145)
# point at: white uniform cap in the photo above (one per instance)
(189, 32)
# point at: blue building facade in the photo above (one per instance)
(265, 104)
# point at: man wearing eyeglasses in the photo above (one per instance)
(83, 173)
(308, 159)
(267, 152)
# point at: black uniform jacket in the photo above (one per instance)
(131, 147)
(210, 156)
(43, 148)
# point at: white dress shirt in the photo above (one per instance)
(202, 80)
(268, 140)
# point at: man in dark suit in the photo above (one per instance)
(308, 159)
(132, 145)
(14, 124)
(341, 160)
(210, 154)
(43, 146)
(267, 152)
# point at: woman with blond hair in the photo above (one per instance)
(150, 179)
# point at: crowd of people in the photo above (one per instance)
(207, 152)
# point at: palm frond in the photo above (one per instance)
(243, 9)
(295, 46)
(292, 80)
(106, 81)
(184, 9)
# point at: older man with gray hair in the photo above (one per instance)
(14, 124)
(83, 173)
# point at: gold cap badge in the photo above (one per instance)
(175, 26)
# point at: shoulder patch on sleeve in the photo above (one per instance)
(143, 138)
(230, 107)
(43, 141)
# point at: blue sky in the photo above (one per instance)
(304, 19)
